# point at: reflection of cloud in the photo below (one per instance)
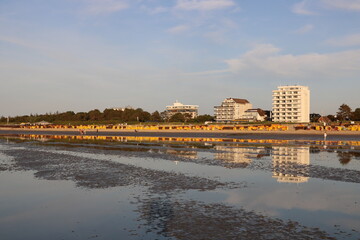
(272, 198)
(350, 5)
(96, 7)
(300, 8)
(203, 5)
(346, 41)
(304, 29)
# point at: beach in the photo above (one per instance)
(246, 134)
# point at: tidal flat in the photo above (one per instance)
(93, 187)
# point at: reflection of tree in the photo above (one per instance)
(314, 150)
(344, 157)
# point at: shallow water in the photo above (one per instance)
(59, 187)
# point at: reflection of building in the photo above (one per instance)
(291, 104)
(238, 154)
(231, 109)
(183, 153)
(191, 110)
(290, 164)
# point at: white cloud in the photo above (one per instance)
(178, 29)
(96, 7)
(268, 58)
(300, 8)
(351, 5)
(346, 41)
(154, 10)
(158, 10)
(203, 5)
(304, 29)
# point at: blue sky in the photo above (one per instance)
(59, 55)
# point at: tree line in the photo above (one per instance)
(344, 113)
(127, 115)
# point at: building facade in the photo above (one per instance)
(231, 109)
(255, 115)
(291, 104)
(177, 107)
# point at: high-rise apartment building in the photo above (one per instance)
(291, 104)
(231, 109)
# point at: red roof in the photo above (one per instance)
(238, 100)
(259, 110)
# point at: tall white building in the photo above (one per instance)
(178, 107)
(231, 109)
(291, 104)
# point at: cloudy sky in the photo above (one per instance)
(59, 55)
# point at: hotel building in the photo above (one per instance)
(178, 107)
(231, 109)
(291, 104)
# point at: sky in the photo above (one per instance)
(79, 55)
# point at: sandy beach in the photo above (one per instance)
(288, 134)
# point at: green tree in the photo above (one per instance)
(205, 118)
(95, 115)
(156, 117)
(314, 117)
(356, 115)
(177, 117)
(111, 114)
(344, 112)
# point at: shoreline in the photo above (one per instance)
(286, 135)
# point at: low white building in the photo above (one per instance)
(177, 107)
(254, 115)
(231, 109)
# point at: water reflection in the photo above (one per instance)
(345, 157)
(290, 164)
(323, 144)
(242, 155)
(187, 201)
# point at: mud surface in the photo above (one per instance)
(166, 209)
(195, 220)
(91, 173)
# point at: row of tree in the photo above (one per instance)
(108, 115)
(127, 115)
(344, 113)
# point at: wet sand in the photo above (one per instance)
(285, 135)
(166, 205)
